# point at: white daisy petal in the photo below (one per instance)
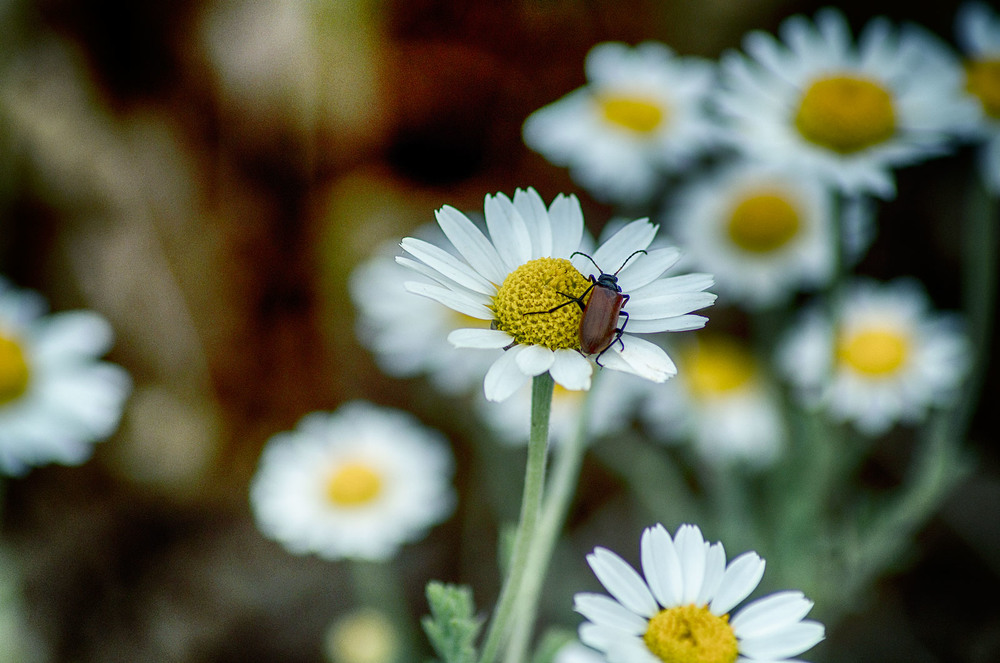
(668, 306)
(690, 547)
(640, 272)
(504, 376)
(472, 244)
(448, 265)
(571, 370)
(792, 641)
(675, 324)
(508, 230)
(622, 582)
(661, 566)
(484, 339)
(70, 334)
(462, 302)
(534, 359)
(715, 566)
(640, 357)
(536, 218)
(741, 577)
(612, 254)
(605, 611)
(769, 614)
(567, 225)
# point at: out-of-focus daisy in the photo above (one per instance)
(721, 401)
(522, 280)
(848, 112)
(680, 610)
(574, 652)
(355, 483)
(763, 233)
(978, 28)
(56, 398)
(407, 334)
(641, 114)
(889, 359)
(363, 636)
(609, 409)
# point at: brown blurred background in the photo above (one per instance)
(207, 173)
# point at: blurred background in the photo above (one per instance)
(206, 174)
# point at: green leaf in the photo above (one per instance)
(452, 627)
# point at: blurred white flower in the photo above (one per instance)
(889, 359)
(641, 115)
(850, 113)
(356, 483)
(574, 652)
(56, 398)
(762, 232)
(721, 402)
(978, 30)
(680, 610)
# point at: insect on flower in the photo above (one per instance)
(599, 328)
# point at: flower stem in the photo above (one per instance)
(562, 486)
(534, 481)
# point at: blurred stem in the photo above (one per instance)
(531, 499)
(559, 494)
(377, 585)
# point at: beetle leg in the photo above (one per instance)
(569, 300)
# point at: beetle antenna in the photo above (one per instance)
(581, 253)
(634, 254)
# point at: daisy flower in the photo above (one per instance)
(522, 280)
(363, 636)
(890, 358)
(978, 28)
(680, 610)
(763, 233)
(407, 334)
(355, 483)
(722, 402)
(56, 398)
(848, 112)
(640, 114)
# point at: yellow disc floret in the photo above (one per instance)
(874, 352)
(846, 114)
(763, 222)
(691, 634)
(716, 367)
(638, 114)
(982, 78)
(527, 294)
(353, 484)
(14, 373)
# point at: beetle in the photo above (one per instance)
(599, 328)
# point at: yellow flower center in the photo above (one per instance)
(874, 352)
(691, 634)
(14, 372)
(763, 223)
(717, 366)
(353, 484)
(641, 115)
(846, 114)
(523, 304)
(982, 78)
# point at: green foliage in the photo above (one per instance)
(452, 627)
(553, 640)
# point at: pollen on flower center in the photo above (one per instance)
(874, 352)
(635, 113)
(14, 373)
(691, 634)
(523, 304)
(982, 78)
(763, 222)
(353, 484)
(846, 114)
(716, 367)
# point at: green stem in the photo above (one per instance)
(562, 486)
(534, 481)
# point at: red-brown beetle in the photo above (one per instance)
(599, 328)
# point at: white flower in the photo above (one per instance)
(849, 113)
(355, 483)
(407, 334)
(640, 115)
(680, 610)
(522, 280)
(721, 401)
(56, 398)
(609, 409)
(762, 232)
(978, 28)
(890, 359)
